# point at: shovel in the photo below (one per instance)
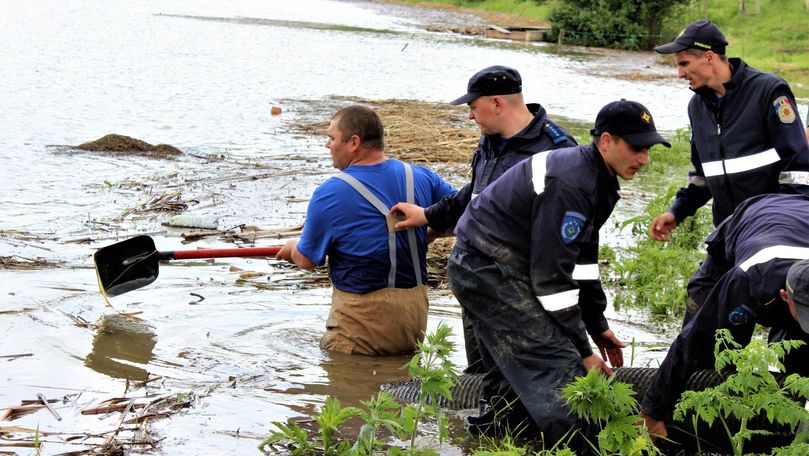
(133, 263)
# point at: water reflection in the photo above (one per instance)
(120, 341)
(356, 378)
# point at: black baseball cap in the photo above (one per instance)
(631, 121)
(494, 80)
(702, 35)
(798, 289)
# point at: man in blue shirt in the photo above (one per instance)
(379, 300)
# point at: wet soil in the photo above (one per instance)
(121, 143)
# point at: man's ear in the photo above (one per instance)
(785, 296)
(498, 103)
(604, 140)
(354, 143)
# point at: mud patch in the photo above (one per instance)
(126, 144)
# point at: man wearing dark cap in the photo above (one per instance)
(511, 131)
(524, 269)
(756, 272)
(746, 135)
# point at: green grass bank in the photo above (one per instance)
(771, 35)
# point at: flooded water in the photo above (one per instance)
(239, 350)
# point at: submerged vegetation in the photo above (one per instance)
(603, 402)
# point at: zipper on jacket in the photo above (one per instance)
(731, 196)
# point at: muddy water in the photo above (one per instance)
(240, 350)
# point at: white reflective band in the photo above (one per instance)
(474, 195)
(559, 301)
(776, 251)
(585, 272)
(794, 177)
(741, 164)
(538, 171)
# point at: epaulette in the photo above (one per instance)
(553, 131)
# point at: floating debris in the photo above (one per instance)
(126, 144)
(207, 221)
(22, 263)
(167, 202)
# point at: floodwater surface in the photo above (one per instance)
(219, 349)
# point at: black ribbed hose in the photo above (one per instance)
(466, 393)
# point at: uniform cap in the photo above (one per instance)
(702, 35)
(494, 80)
(631, 121)
(798, 289)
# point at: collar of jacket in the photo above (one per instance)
(604, 176)
(737, 70)
(530, 132)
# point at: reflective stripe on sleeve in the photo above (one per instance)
(794, 177)
(559, 301)
(773, 252)
(585, 272)
(538, 171)
(741, 164)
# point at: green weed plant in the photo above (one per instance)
(749, 392)
(653, 275)
(612, 407)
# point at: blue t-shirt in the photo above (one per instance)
(342, 224)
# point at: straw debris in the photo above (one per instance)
(20, 263)
(415, 131)
(167, 202)
(437, 254)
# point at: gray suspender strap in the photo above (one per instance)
(385, 211)
(411, 233)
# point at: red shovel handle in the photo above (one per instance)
(219, 253)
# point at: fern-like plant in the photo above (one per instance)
(749, 392)
(611, 406)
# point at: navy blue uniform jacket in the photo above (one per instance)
(542, 217)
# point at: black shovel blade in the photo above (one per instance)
(127, 265)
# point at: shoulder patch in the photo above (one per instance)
(572, 225)
(740, 316)
(784, 109)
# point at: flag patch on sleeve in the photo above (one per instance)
(784, 109)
